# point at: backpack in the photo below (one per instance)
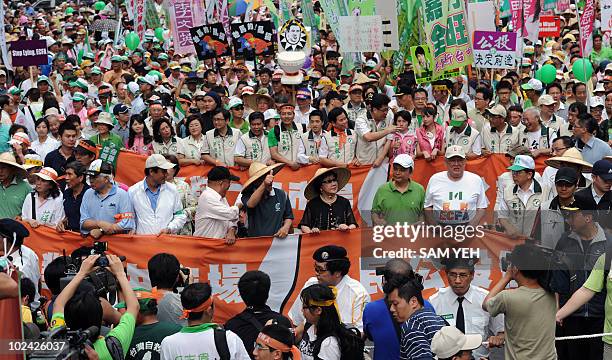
(352, 345)
(221, 343)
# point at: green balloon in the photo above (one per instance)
(548, 73)
(69, 11)
(100, 5)
(159, 34)
(538, 74)
(582, 69)
(132, 41)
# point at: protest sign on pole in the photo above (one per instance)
(333, 10)
(550, 26)
(525, 18)
(361, 33)
(586, 20)
(387, 9)
(293, 37)
(606, 26)
(151, 17)
(447, 34)
(362, 7)
(181, 16)
(476, 21)
(407, 16)
(3, 48)
(210, 41)
(495, 50)
(29, 52)
(139, 18)
(423, 65)
(253, 38)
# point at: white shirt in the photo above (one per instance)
(50, 212)
(214, 216)
(200, 345)
(455, 201)
(330, 348)
(352, 299)
(596, 196)
(167, 215)
(302, 117)
(28, 264)
(477, 321)
(192, 148)
(43, 149)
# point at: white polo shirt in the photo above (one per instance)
(477, 321)
(196, 342)
(455, 201)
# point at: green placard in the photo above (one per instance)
(110, 154)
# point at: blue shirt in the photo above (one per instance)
(153, 196)
(378, 325)
(417, 333)
(114, 208)
(594, 150)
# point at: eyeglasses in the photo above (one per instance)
(238, 108)
(319, 269)
(329, 181)
(260, 347)
(558, 149)
(516, 172)
(454, 275)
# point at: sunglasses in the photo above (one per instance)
(238, 108)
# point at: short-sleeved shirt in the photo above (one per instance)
(122, 332)
(268, 216)
(595, 283)
(115, 208)
(323, 216)
(529, 322)
(455, 201)
(170, 309)
(72, 208)
(147, 340)
(113, 140)
(12, 197)
(416, 335)
(395, 206)
(57, 161)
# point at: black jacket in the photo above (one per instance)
(578, 265)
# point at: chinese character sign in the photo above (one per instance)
(587, 18)
(447, 34)
(494, 50)
(182, 21)
(253, 38)
(361, 33)
(606, 25)
(109, 154)
(139, 18)
(210, 41)
(526, 18)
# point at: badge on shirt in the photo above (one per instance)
(448, 316)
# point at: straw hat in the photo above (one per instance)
(258, 170)
(48, 174)
(343, 175)
(362, 79)
(251, 100)
(572, 156)
(9, 159)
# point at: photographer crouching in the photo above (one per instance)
(84, 310)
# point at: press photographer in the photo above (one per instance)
(83, 310)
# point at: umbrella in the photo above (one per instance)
(104, 25)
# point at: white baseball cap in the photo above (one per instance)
(404, 160)
(596, 101)
(450, 340)
(271, 114)
(497, 110)
(234, 101)
(455, 150)
(158, 161)
(522, 162)
(546, 100)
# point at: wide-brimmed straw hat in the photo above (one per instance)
(258, 170)
(572, 156)
(343, 175)
(251, 100)
(9, 159)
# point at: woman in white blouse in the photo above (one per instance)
(45, 143)
(192, 144)
(44, 205)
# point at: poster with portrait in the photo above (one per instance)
(253, 38)
(293, 36)
(210, 41)
(422, 64)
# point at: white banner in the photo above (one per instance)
(361, 33)
(606, 20)
(3, 49)
(476, 20)
(387, 9)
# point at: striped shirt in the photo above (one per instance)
(417, 332)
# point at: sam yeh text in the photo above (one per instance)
(427, 253)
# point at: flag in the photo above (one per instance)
(408, 32)
(85, 48)
(179, 111)
(586, 27)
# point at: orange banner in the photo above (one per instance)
(363, 184)
(288, 261)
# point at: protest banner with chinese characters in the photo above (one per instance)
(253, 38)
(494, 50)
(287, 261)
(447, 34)
(550, 26)
(606, 26)
(293, 36)
(109, 154)
(587, 19)
(525, 18)
(151, 17)
(361, 33)
(181, 16)
(210, 41)
(422, 63)
(139, 18)
(29, 52)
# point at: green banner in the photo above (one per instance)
(407, 28)
(284, 11)
(109, 154)
(310, 21)
(447, 34)
(151, 16)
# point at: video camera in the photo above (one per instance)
(101, 278)
(73, 347)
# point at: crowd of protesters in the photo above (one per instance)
(96, 96)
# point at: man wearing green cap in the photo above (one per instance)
(463, 134)
(114, 74)
(149, 331)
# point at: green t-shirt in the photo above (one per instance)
(595, 283)
(147, 340)
(604, 54)
(243, 129)
(399, 207)
(122, 332)
(272, 140)
(12, 198)
(113, 139)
